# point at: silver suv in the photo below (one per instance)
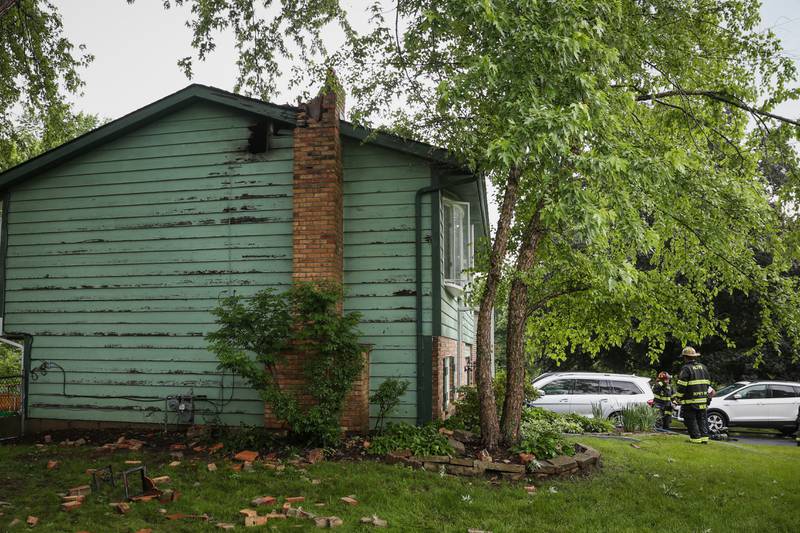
(576, 392)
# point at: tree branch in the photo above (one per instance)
(5, 5)
(720, 97)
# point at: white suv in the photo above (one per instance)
(576, 392)
(760, 404)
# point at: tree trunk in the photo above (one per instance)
(515, 334)
(490, 428)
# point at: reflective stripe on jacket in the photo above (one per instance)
(663, 393)
(693, 383)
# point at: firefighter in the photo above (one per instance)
(663, 394)
(797, 433)
(692, 393)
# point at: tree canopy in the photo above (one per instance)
(39, 69)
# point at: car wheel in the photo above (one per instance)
(616, 418)
(716, 421)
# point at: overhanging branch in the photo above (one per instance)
(720, 97)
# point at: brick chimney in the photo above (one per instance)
(318, 232)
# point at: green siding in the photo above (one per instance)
(116, 258)
(379, 266)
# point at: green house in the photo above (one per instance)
(117, 245)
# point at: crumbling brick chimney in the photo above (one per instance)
(318, 230)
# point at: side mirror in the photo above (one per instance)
(736, 397)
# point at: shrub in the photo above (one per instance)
(388, 398)
(424, 440)
(543, 438)
(467, 408)
(591, 425)
(306, 318)
(10, 361)
(562, 423)
(638, 417)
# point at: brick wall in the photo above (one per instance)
(446, 347)
(318, 254)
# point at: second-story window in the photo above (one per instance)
(457, 242)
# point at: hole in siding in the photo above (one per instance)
(259, 137)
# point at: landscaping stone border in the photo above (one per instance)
(585, 461)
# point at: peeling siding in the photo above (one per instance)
(379, 267)
(116, 258)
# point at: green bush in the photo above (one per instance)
(10, 361)
(255, 334)
(387, 397)
(639, 417)
(562, 423)
(591, 425)
(543, 438)
(425, 440)
(467, 408)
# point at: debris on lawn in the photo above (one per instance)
(216, 447)
(255, 520)
(349, 500)
(246, 455)
(121, 507)
(328, 521)
(177, 447)
(635, 446)
(484, 456)
(71, 505)
(81, 490)
(247, 466)
(263, 500)
(181, 516)
(123, 443)
(248, 512)
(160, 479)
(226, 526)
(471, 530)
(295, 499)
(79, 442)
(553, 490)
(169, 495)
(316, 455)
(375, 521)
(14, 522)
(211, 467)
(51, 465)
(32, 520)
(173, 464)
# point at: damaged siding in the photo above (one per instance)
(379, 262)
(116, 258)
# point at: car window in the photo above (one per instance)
(606, 388)
(586, 386)
(625, 388)
(559, 386)
(756, 392)
(730, 388)
(783, 391)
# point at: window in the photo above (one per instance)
(756, 392)
(448, 381)
(456, 242)
(559, 386)
(625, 388)
(783, 391)
(606, 388)
(586, 386)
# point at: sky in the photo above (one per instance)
(136, 48)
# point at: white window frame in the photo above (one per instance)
(458, 247)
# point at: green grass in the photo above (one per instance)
(665, 485)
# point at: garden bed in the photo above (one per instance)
(504, 465)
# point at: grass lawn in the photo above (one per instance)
(664, 485)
